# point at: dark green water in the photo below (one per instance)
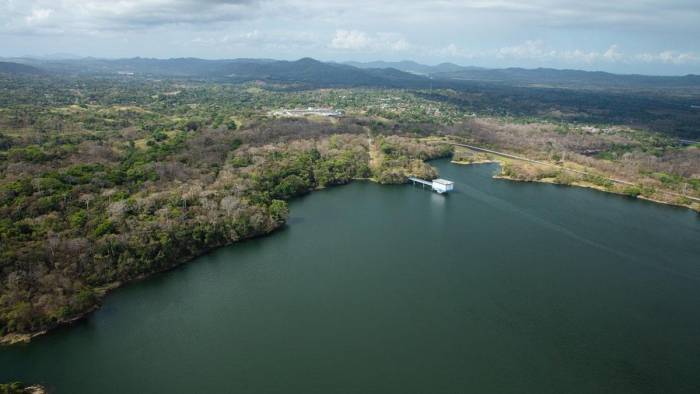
(497, 288)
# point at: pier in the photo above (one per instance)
(438, 185)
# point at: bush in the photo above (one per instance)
(78, 219)
(193, 125)
(278, 211)
(291, 186)
(632, 191)
(683, 200)
(141, 173)
(11, 388)
(106, 227)
(695, 183)
(31, 153)
(48, 184)
(647, 191)
(508, 170)
(240, 161)
(599, 181)
(44, 205)
(159, 136)
(236, 143)
(563, 178)
(386, 148)
(85, 298)
(19, 317)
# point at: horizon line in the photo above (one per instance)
(73, 57)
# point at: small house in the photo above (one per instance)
(443, 185)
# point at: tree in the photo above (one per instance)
(193, 125)
(278, 211)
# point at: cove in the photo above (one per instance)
(498, 287)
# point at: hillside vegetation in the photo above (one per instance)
(108, 179)
(664, 104)
(93, 195)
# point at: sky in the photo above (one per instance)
(623, 36)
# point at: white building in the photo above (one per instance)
(443, 185)
(310, 111)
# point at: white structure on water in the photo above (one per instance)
(439, 185)
(443, 185)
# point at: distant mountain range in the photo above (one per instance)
(413, 67)
(308, 71)
(539, 76)
(305, 71)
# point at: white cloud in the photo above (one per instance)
(79, 16)
(531, 49)
(281, 40)
(537, 50)
(354, 40)
(452, 50)
(111, 14)
(669, 57)
(38, 15)
(488, 32)
(613, 54)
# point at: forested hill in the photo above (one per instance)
(404, 74)
(310, 71)
(411, 66)
(304, 71)
(17, 68)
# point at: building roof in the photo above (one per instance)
(443, 181)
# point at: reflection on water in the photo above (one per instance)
(438, 200)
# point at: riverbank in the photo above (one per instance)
(394, 159)
(586, 185)
(103, 291)
(244, 313)
(515, 170)
(19, 338)
(393, 166)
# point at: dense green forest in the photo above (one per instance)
(105, 179)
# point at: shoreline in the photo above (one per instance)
(102, 291)
(584, 185)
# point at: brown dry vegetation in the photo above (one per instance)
(73, 228)
(135, 180)
(656, 168)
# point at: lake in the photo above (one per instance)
(499, 287)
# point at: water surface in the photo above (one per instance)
(500, 287)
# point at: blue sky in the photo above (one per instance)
(641, 36)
